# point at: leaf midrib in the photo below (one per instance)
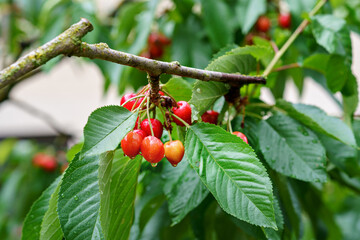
(228, 175)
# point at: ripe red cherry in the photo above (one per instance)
(156, 51)
(210, 116)
(152, 149)
(140, 132)
(174, 152)
(183, 112)
(131, 144)
(284, 20)
(263, 24)
(129, 105)
(241, 135)
(45, 161)
(156, 125)
(158, 39)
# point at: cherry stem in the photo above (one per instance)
(185, 123)
(133, 98)
(148, 114)
(229, 123)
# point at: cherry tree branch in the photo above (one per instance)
(69, 44)
(64, 44)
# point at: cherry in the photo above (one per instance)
(152, 150)
(131, 144)
(263, 24)
(158, 39)
(174, 152)
(284, 20)
(183, 112)
(210, 116)
(156, 125)
(140, 132)
(155, 51)
(129, 105)
(241, 135)
(45, 161)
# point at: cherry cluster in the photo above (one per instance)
(145, 138)
(263, 25)
(156, 45)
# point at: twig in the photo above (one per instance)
(289, 66)
(69, 43)
(291, 39)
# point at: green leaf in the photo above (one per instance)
(79, 201)
(216, 15)
(70, 155)
(105, 129)
(337, 73)
(332, 33)
(271, 233)
(178, 88)
(206, 93)
(317, 120)
(32, 223)
(260, 53)
(234, 63)
(117, 206)
(233, 174)
(292, 149)
(317, 62)
(341, 155)
(50, 227)
(248, 12)
(186, 191)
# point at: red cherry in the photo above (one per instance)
(158, 39)
(155, 51)
(241, 135)
(174, 152)
(152, 149)
(210, 116)
(284, 20)
(263, 24)
(156, 125)
(50, 165)
(183, 112)
(129, 105)
(131, 144)
(140, 132)
(45, 161)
